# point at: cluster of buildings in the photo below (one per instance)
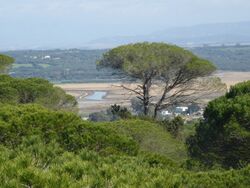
(192, 110)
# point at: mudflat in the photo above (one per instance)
(117, 95)
(231, 78)
(114, 95)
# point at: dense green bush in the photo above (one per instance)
(120, 112)
(34, 90)
(173, 126)
(5, 62)
(49, 166)
(113, 113)
(68, 130)
(238, 90)
(223, 136)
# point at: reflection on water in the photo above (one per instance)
(97, 96)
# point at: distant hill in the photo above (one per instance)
(212, 34)
(80, 65)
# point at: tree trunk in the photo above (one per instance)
(155, 112)
(159, 103)
(146, 98)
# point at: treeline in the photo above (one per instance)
(229, 58)
(80, 65)
(61, 65)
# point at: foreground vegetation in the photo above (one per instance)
(34, 164)
(46, 144)
(42, 148)
(223, 137)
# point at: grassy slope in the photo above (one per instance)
(151, 137)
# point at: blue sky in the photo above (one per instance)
(71, 23)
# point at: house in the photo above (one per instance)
(180, 110)
(166, 113)
(46, 57)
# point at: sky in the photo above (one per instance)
(28, 24)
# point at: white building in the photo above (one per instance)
(166, 113)
(47, 57)
(182, 108)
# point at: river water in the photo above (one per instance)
(97, 96)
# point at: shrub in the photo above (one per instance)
(173, 126)
(114, 113)
(67, 129)
(223, 136)
(5, 62)
(34, 90)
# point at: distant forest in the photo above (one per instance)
(75, 65)
(230, 58)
